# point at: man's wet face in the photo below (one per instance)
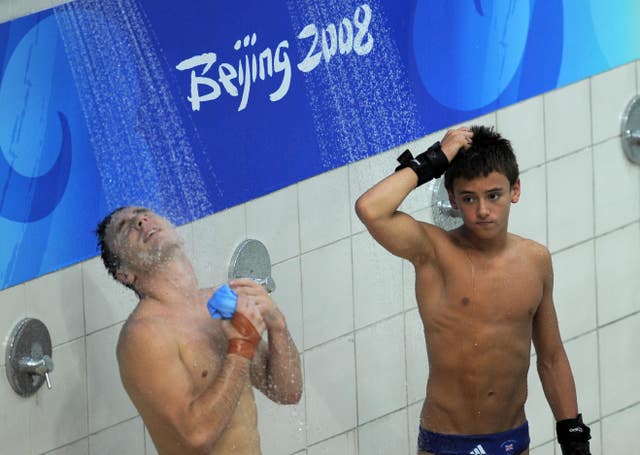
(142, 239)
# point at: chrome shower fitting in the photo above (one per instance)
(28, 357)
(630, 130)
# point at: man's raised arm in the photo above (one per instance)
(275, 369)
(377, 208)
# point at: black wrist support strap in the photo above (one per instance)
(428, 165)
(573, 436)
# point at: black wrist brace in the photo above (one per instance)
(428, 165)
(573, 436)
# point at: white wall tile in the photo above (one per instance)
(186, 232)
(325, 209)
(528, 217)
(282, 428)
(7, 9)
(595, 444)
(416, 352)
(539, 415)
(408, 285)
(58, 416)
(617, 199)
(106, 301)
(620, 375)
(13, 308)
(413, 413)
(126, 438)
(344, 444)
(80, 447)
(14, 415)
(56, 299)
(216, 238)
(327, 293)
(618, 269)
(488, 120)
(384, 436)
(570, 200)
(273, 219)
(523, 125)
(108, 401)
(377, 281)
(12, 9)
(288, 297)
(330, 389)
(619, 429)
(583, 357)
(610, 93)
(545, 449)
(381, 373)
(575, 289)
(149, 447)
(363, 175)
(567, 119)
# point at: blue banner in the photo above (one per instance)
(193, 108)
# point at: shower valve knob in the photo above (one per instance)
(41, 367)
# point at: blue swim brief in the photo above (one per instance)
(511, 442)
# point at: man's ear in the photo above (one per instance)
(452, 200)
(515, 191)
(125, 277)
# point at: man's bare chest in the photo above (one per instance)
(202, 351)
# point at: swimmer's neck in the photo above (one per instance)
(489, 246)
(172, 282)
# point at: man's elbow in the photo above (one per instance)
(364, 210)
(199, 438)
(197, 442)
(294, 396)
(290, 395)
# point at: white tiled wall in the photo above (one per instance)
(350, 305)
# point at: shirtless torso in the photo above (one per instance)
(477, 314)
(484, 295)
(200, 345)
(189, 375)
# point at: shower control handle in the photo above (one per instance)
(41, 367)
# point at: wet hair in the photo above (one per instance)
(489, 152)
(110, 260)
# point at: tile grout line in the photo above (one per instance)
(353, 314)
(86, 354)
(302, 298)
(595, 258)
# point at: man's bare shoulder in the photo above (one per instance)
(143, 332)
(532, 250)
(440, 236)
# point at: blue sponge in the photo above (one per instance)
(222, 303)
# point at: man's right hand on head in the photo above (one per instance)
(454, 140)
